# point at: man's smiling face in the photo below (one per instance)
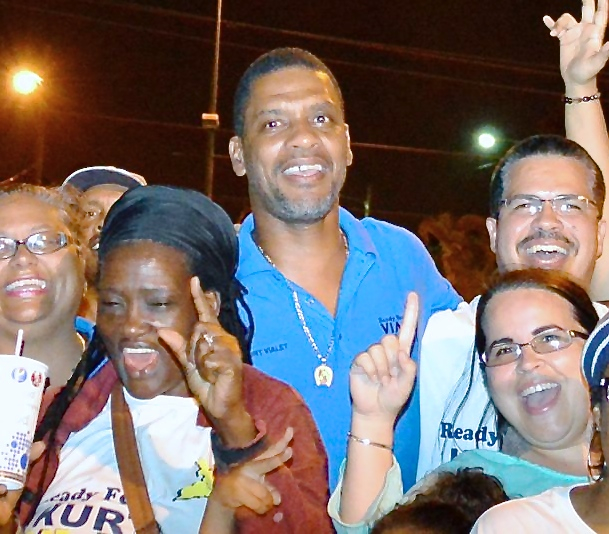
(569, 241)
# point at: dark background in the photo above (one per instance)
(125, 84)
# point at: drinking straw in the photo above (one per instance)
(19, 343)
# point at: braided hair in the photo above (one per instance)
(197, 227)
(92, 360)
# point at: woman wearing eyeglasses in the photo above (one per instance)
(41, 277)
(579, 508)
(531, 327)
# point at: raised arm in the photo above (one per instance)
(249, 411)
(381, 381)
(582, 56)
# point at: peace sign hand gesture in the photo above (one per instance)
(212, 363)
(382, 378)
(582, 52)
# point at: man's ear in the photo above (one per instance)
(235, 150)
(214, 301)
(349, 153)
(491, 227)
(602, 228)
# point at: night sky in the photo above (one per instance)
(126, 83)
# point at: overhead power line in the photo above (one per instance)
(193, 128)
(226, 43)
(419, 53)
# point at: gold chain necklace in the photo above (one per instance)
(323, 373)
(82, 340)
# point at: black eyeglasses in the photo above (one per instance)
(550, 340)
(530, 205)
(38, 243)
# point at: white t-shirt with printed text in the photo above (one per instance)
(86, 495)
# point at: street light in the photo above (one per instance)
(486, 140)
(25, 82)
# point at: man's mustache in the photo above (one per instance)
(547, 235)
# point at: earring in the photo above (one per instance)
(596, 469)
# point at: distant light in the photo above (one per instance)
(486, 140)
(26, 82)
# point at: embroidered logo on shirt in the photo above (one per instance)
(390, 325)
(202, 487)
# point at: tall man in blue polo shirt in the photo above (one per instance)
(322, 285)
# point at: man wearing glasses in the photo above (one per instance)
(546, 202)
(546, 211)
(547, 197)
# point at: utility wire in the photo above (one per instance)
(423, 53)
(366, 66)
(228, 133)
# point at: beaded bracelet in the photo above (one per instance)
(576, 100)
(366, 441)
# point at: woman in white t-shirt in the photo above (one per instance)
(573, 509)
(164, 386)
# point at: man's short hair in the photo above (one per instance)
(543, 145)
(273, 61)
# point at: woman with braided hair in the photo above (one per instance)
(162, 427)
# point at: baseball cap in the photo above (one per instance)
(89, 177)
(595, 356)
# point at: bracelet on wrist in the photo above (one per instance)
(366, 441)
(578, 100)
(226, 457)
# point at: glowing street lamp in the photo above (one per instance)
(25, 82)
(486, 140)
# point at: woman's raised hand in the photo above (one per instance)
(382, 378)
(212, 363)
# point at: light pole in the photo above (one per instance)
(211, 120)
(25, 83)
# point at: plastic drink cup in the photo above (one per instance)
(22, 383)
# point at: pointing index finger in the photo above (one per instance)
(204, 310)
(409, 322)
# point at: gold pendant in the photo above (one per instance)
(323, 375)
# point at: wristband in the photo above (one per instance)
(226, 457)
(577, 100)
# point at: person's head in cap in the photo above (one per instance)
(595, 357)
(99, 187)
(148, 266)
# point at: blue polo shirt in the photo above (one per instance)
(385, 263)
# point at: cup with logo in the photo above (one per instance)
(22, 382)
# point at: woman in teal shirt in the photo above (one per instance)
(530, 331)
